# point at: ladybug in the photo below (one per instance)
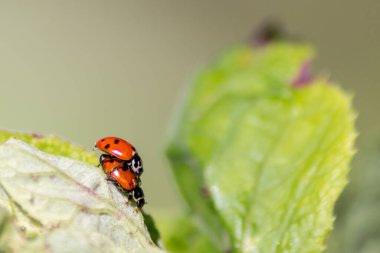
(123, 151)
(119, 173)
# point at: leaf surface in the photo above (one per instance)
(259, 157)
(62, 205)
(286, 161)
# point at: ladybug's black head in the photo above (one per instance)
(140, 203)
(136, 165)
(138, 196)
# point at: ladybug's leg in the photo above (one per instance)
(138, 181)
(130, 196)
(110, 179)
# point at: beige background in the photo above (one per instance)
(88, 69)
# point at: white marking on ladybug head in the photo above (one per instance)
(136, 165)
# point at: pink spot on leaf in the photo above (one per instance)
(303, 77)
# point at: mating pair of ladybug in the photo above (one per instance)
(123, 166)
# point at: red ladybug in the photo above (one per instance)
(119, 173)
(123, 151)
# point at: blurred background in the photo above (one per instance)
(87, 69)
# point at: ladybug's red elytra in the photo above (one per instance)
(119, 173)
(123, 151)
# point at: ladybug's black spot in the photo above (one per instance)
(107, 146)
(116, 141)
(125, 167)
(103, 139)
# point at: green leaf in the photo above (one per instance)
(62, 205)
(356, 228)
(276, 182)
(52, 145)
(181, 235)
(259, 159)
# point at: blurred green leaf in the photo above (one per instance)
(276, 182)
(62, 205)
(239, 76)
(181, 235)
(259, 159)
(152, 228)
(357, 228)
